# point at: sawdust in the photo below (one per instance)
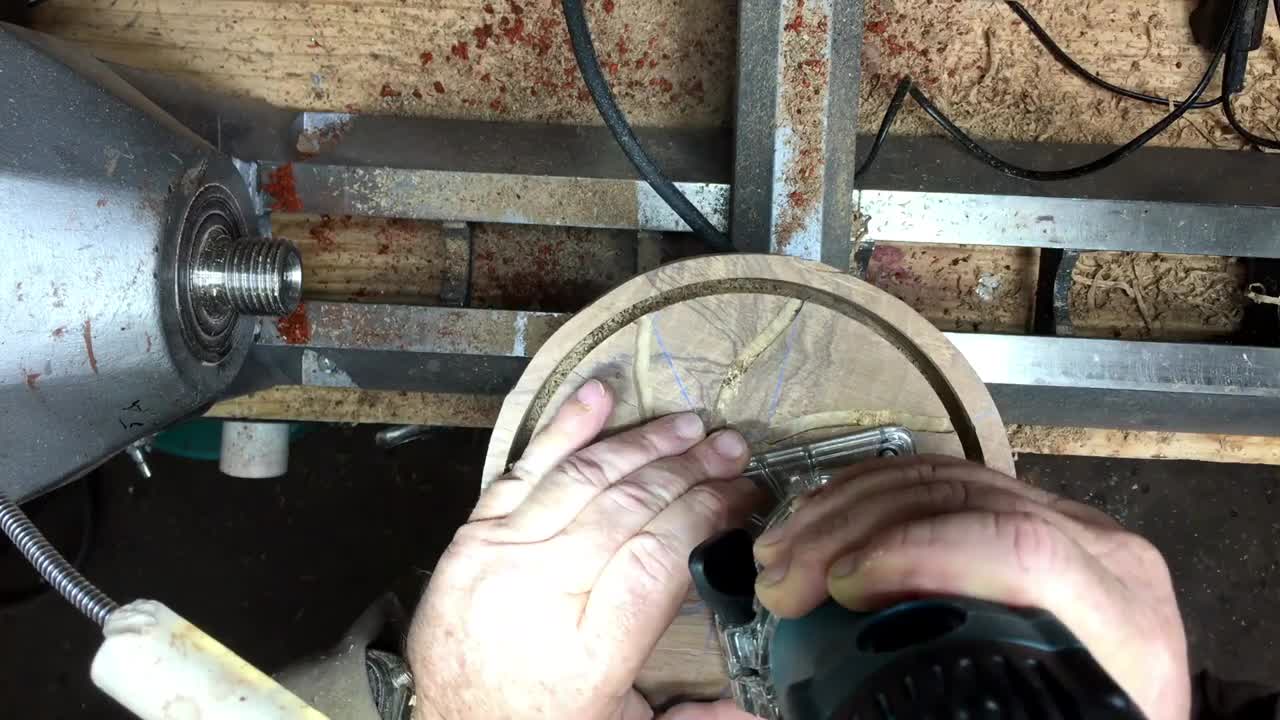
(984, 68)
(1042, 440)
(1145, 295)
(960, 287)
(670, 62)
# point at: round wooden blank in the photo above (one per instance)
(784, 350)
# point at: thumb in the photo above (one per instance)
(718, 710)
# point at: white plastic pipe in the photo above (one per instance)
(161, 667)
(254, 449)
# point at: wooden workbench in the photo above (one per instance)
(669, 62)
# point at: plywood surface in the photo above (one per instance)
(670, 61)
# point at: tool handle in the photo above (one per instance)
(159, 666)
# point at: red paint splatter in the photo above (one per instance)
(797, 199)
(31, 380)
(417, 93)
(426, 58)
(315, 44)
(323, 234)
(877, 27)
(608, 7)
(613, 68)
(459, 50)
(58, 332)
(515, 7)
(496, 105)
(102, 202)
(483, 35)
(486, 77)
(438, 87)
(488, 9)
(283, 189)
(295, 329)
(388, 92)
(514, 32)
(88, 346)
(662, 84)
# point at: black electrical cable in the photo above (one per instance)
(1229, 110)
(890, 114)
(584, 53)
(1069, 63)
(1111, 158)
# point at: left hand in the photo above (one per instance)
(552, 596)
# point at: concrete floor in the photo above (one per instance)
(277, 569)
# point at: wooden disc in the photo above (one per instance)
(784, 350)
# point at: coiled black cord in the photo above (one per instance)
(975, 149)
(1070, 63)
(584, 52)
(1229, 110)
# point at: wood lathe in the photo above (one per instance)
(145, 220)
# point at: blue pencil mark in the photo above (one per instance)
(671, 363)
(782, 373)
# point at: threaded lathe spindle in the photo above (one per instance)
(51, 565)
(253, 276)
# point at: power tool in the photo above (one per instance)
(924, 658)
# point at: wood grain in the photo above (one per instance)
(1095, 442)
(351, 405)
(673, 339)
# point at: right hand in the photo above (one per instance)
(927, 526)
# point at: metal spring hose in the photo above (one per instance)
(54, 568)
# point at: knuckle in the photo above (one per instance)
(708, 501)
(655, 558)
(944, 493)
(636, 498)
(581, 470)
(649, 439)
(1036, 543)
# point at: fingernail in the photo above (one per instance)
(591, 393)
(688, 425)
(771, 536)
(846, 566)
(729, 444)
(773, 574)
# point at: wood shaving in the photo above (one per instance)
(1257, 293)
(1146, 295)
(643, 364)
(738, 368)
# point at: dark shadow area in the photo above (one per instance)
(1219, 529)
(277, 569)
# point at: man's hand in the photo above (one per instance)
(572, 566)
(909, 527)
